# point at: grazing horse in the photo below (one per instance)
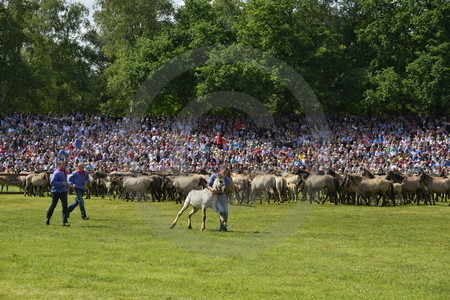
(37, 183)
(241, 188)
(5, 181)
(368, 187)
(201, 199)
(184, 184)
(412, 186)
(434, 186)
(264, 185)
(315, 183)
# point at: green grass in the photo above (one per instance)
(271, 252)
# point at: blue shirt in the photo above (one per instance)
(62, 153)
(79, 179)
(57, 182)
(213, 177)
(78, 143)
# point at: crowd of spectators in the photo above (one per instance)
(409, 144)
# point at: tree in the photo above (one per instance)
(49, 61)
(15, 73)
(122, 25)
(409, 66)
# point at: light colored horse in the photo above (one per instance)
(139, 186)
(435, 186)
(184, 184)
(281, 186)
(264, 185)
(201, 199)
(413, 188)
(315, 183)
(369, 187)
(37, 183)
(5, 181)
(241, 188)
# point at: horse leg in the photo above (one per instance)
(185, 206)
(400, 198)
(382, 196)
(356, 199)
(377, 200)
(193, 211)
(326, 196)
(203, 219)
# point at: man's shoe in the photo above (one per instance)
(86, 218)
(47, 221)
(66, 224)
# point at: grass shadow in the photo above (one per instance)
(261, 233)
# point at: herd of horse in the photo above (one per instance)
(392, 188)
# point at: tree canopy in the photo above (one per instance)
(358, 56)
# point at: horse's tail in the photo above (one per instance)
(391, 192)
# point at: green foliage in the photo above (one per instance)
(358, 56)
(14, 70)
(250, 74)
(49, 60)
(409, 64)
(428, 79)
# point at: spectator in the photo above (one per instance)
(33, 142)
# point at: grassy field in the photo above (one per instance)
(271, 252)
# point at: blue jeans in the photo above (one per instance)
(51, 208)
(78, 201)
(222, 207)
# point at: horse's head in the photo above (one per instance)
(219, 184)
(345, 181)
(348, 180)
(395, 176)
(367, 173)
(424, 177)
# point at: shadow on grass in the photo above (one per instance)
(94, 226)
(233, 243)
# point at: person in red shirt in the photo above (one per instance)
(218, 140)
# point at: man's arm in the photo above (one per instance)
(211, 180)
(57, 180)
(71, 180)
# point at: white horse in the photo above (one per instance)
(201, 199)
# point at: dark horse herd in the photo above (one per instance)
(392, 188)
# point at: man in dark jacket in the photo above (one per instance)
(58, 182)
(78, 181)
